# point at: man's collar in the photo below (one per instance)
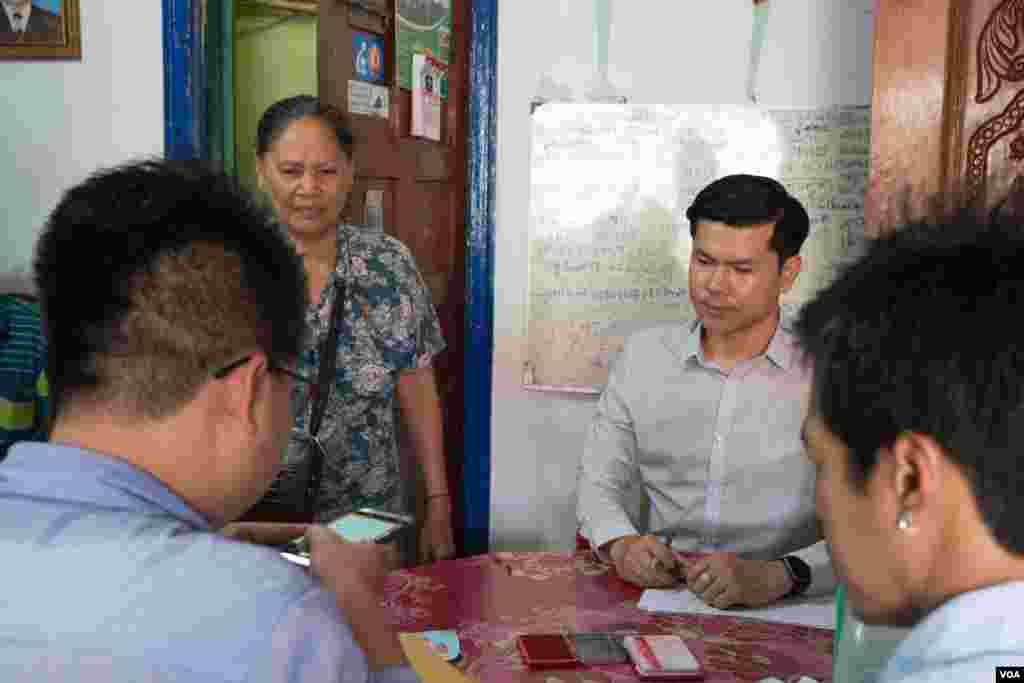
(781, 349)
(99, 479)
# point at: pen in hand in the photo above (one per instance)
(678, 569)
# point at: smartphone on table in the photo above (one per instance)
(365, 525)
(661, 657)
(567, 650)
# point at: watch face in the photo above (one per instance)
(799, 570)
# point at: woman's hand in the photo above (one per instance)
(436, 540)
(421, 410)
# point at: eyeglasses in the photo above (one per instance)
(223, 372)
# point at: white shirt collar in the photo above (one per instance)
(25, 14)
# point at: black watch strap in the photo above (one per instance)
(799, 571)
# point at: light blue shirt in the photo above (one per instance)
(110, 576)
(964, 640)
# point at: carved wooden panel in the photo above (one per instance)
(996, 145)
(948, 104)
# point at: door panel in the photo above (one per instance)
(423, 184)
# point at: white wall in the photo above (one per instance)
(60, 120)
(817, 52)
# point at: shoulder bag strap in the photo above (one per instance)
(324, 380)
(328, 361)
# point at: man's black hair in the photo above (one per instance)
(743, 200)
(921, 335)
(166, 270)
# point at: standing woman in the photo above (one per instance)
(388, 332)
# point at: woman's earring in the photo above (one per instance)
(905, 521)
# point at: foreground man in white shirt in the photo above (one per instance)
(705, 416)
(917, 435)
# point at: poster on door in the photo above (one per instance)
(421, 27)
(428, 75)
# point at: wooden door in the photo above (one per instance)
(948, 104)
(423, 185)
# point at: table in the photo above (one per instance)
(490, 599)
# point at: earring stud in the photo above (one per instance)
(904, 522)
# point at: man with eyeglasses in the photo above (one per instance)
(177, 316)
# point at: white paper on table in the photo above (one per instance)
(819, 611)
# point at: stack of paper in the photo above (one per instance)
(808, 611)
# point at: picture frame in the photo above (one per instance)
(51, 29)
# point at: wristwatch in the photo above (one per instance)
(799, 571)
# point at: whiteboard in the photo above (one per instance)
(609, 243)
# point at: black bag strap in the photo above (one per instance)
(328, 361)
(325, 378)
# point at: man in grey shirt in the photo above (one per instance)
(705, 417)
(178, 314)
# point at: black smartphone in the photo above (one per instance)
(566, 650)
(599, 648)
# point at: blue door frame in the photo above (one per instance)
(184, 66)
(185, 138)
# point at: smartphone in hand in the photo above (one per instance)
(365, 525)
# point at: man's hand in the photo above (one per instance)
(263, 533)
(436, 541)
(354, 573)
(723, 580)
(644, 562)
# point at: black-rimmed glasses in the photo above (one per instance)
(223, 372)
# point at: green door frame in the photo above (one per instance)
(220, 61)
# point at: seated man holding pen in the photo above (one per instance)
(706, 416)
(177, 316)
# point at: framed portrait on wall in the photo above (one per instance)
(39, 29)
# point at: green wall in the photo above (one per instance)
(274, 58)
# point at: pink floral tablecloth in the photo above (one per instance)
(491, 599)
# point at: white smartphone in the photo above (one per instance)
(370, 526)
(365, 525)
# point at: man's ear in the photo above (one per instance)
(790, 271)
(249, 385)
(260, 171)
(917, 471)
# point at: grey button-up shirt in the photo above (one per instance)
(718, 454)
